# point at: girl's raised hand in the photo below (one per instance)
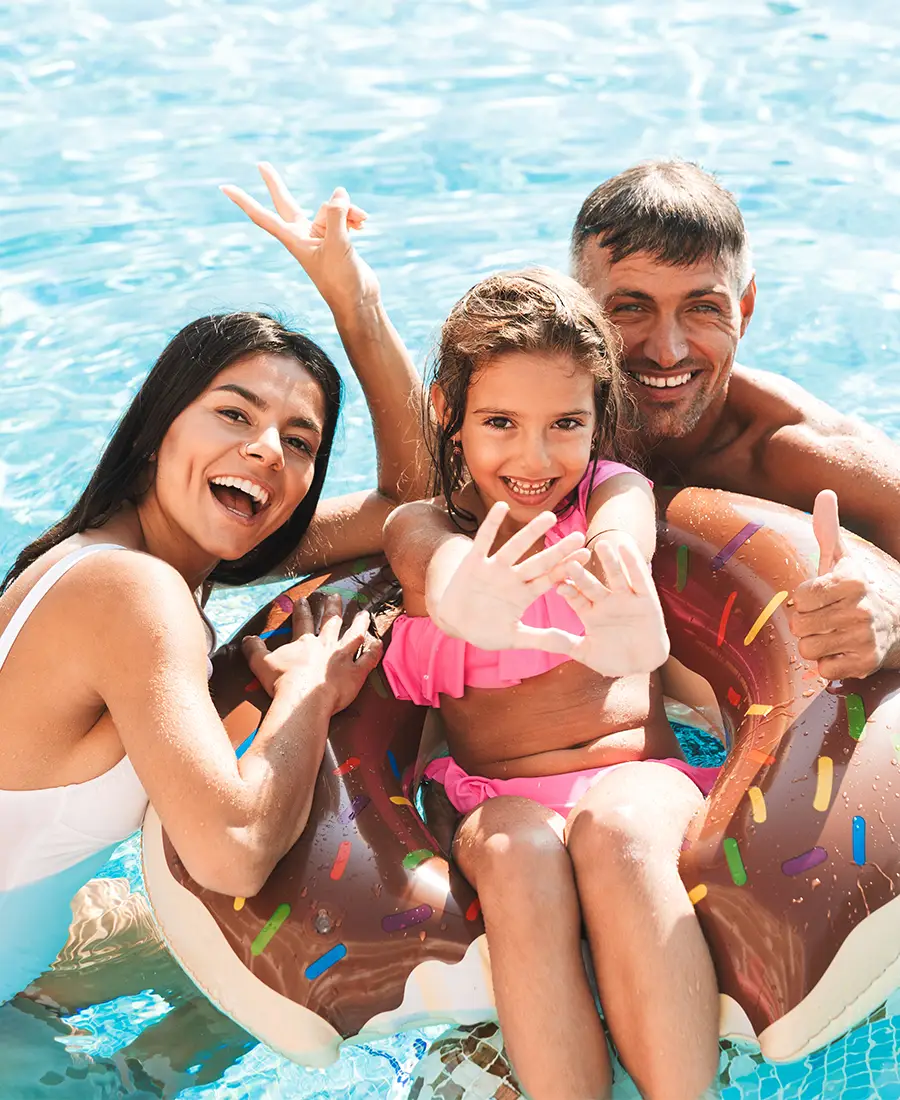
(625, 632)
(484, 598)
(322, 246)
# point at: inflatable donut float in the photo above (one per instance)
(365, 928)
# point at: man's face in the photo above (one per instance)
(680, 328)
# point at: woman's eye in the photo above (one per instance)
(298, 443)
(234, 415)
(498, 422)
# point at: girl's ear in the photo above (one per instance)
(439, 403)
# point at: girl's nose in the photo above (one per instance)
(267, 448)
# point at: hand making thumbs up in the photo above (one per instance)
(843, 621)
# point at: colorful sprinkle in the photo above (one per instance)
(412, 859)
(733, 697)
(730, 547)
(356, 807)
(239, 904)
(723, 622)
(473, 910)
(274, 633)
(244, 745)
(697, 894)
(284, 603)
(268, 930)
(396, 922)
(682, 562)
(758, 709)
(757, 805)
(340, 860)
(399, 800)
(347, 766)
(824, 782)
(805, 862)
(767, 612)
(734, 861)
(392, 760)
(254, 685)
(325, 962)
(760, 757)
(856, 715)
(859, 840)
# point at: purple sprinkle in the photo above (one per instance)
(396, 922)
(356, 807)
(284, 603)
(805, 862)
(730, 547)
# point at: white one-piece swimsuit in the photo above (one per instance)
(53, 840)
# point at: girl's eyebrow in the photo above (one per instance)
(505, 412)
(260, 403)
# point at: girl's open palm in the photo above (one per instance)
(625, 632)
(485, 598)
(322, 246)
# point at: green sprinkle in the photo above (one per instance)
(682, 563)
(269, 929)
(413, 859)
(856, 716)
(735, 863)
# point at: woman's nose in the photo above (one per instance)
(267, 448)
(666, 345)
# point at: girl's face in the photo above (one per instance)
(237, 462)
(526, 435)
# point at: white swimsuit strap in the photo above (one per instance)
(41, 589)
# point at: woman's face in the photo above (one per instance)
(527, 431)
(234, 466)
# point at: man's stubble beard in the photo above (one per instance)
(657, 423)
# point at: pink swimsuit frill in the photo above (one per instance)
(422, 663)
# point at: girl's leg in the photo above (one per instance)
(654, 972)
(510, 850)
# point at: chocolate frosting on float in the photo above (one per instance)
(370, 895)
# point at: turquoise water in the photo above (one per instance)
(470, 131)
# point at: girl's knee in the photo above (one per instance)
(507, 846)
(616, 841)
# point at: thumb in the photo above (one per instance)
(255, 651)
(336, 211)
(827, 529)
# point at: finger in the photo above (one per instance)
(586, 583)
(332, 613)
(827, 529)
(255, 211)
(819, 594)
(317, 601)
(558, 574)
(816, 646)
(823, 621)
(358, 625)
(284, 202)
(302, 618)
(255, 652)
(522, 541)
(639, 576)
(550, 639)
(336, 210)
(614, 572)
(369, 655)
(355, 635)
(356, 216)
(487, 532)
(579, 603)
(546, 560)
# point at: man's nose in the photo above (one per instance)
(666, 344)
(267, 448)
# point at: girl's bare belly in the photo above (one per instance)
(563, 720)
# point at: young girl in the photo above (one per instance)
(532, 622)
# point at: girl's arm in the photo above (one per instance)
(350, 526)
(143, 657)
(623, 505)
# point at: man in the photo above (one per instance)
(663, 248)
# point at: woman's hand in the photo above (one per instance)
(319, 657)
(625, 632)
(321, 246)
(485, 596)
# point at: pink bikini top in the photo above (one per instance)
(422, 662)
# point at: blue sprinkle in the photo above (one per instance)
(325, 962)
(859, 840)
(392, 760)
(421, 1046)
(274, 633)
(244, 745)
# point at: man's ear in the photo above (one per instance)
(748, 302)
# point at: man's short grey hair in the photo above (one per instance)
(670, 209)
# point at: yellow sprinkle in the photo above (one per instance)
(697, 894)
(824, 783)
(398, 800)
(767, 612)
(757, 805)
(758, 708)
(239, 904)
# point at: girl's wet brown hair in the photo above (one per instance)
(535, 310)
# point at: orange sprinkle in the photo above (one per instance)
(473, 910)
(761, 757)
(254, 685)
(723, 622)
(347, 766)
(399, 800)
(733, 697)
(340, 860)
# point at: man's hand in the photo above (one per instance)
(843, 621)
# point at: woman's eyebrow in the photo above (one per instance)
(260, 403)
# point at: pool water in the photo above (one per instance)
(470, 130)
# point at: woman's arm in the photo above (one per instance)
(350, 526)
(144, 655)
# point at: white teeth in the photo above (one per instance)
(663, 383)
(529, 488)
(259, 494)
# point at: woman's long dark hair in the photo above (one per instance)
(185, 369)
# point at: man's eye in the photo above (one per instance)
(706, 307)
(627, 307)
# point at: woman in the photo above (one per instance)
(214, 474)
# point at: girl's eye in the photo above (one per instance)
(498, 422)
(569, 423)
(234, 415)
